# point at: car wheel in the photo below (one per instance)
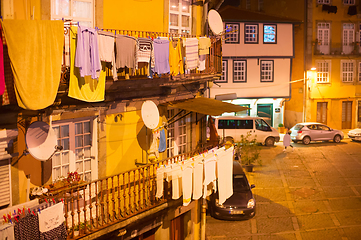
(295, 141)
(270, 141)
(337, 139)
(306, 140)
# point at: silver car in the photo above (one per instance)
(312, 131)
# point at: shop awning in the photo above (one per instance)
(207, 106)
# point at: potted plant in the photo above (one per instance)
(281, 128)
(248, 150)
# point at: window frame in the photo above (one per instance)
(347, 72)
(325, 2)
(272, 71)
(235, 34)
(349, 2)
(275, 35)
(72, 161)
(246, 34)
(224, 73)
(328, 62)
(244, 71)
(179, 28)
(75, 20)
(177, 140)
(359, 71)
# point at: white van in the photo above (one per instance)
(233, 126)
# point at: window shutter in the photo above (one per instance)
(4, 183)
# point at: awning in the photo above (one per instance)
(207, 106)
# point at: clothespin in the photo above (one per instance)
(29, 210)
(39, 210)
(19, 211)
(9, 217)
(34, 213)
(16, 218)
(62, 201)
(14, 212)
(46, 200)
(53, 200)
(4, 216)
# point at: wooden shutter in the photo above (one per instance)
(322, 112)
(4, 182)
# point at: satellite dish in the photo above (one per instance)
(41, 140)
(150, 114)
(215, 22)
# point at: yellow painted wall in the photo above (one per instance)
(134, 15)
(27, 9)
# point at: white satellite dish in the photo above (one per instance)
(41, 140)
(215, 22)
(150, 114)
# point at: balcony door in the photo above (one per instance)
(346, 114)
(323, 35)
(348, 38)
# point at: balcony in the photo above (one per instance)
(338, 50)
(133, 83)
(107, 203)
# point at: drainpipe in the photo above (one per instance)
(203, 218)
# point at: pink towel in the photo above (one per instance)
(224, 173)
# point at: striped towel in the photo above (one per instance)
(145, 48)
(191, 45)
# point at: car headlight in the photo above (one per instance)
(219, 205)
(250, 203)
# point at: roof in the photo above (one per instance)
(230, 13)
(207, 106)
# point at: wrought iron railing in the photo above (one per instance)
(95, 205)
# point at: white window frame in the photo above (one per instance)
(93, 158)
(179, 28)
(348, 37)
(267, 70)
(239, 71)
(347, 70)
(323, 74)
(359, 71)
(323, 1)
(177, 140)
(89, 22)
(349, 2)
(270, 34)
(233, 36)
(249, 36)
(323, 36)
(224, 76)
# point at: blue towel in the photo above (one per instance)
(162, 141)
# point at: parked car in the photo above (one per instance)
(241, 205)
(232, 127)
(355, 134)
(313, 131)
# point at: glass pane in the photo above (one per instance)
(56, 131)
(65, 143)
(65, 158)
(79, 141)
(185, 6)
(87, 152)
(79, 166)
(174, 5)
(86, 127)
(87, 177)
(82, 9)
(61, 7)
(185, 21)
(78, 128)
(87, 141)
(64, 131)
(56, 159)
(78, 154)
(65, 170)
(56, 172)
(173, 20)
(87, 165)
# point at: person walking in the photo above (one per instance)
(287, 141)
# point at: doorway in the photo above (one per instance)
(265, 111)
(346, 114)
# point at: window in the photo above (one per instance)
(359, 71)
(239, 71)
(322, 112)
(260, 5)
(267, 71)
(323, 72)
(180, 16)
(223, 78)
(243, 113)
(78, 153)
(349, 2)
(323, 36)
(233, 35)
(177, 134)
(262, 125)
(248, 4)
(269, 34)
(348, 38)
(235, 124)
(323, 1)
(347, 71)
(81, 11)
(250, 33)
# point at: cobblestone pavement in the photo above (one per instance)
(310, 193)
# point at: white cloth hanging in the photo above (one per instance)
(209, 172)
(224, 173)
(51, 217)
(198, 178)
(160, 179)
(187, 182)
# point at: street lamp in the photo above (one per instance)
(306, 77)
